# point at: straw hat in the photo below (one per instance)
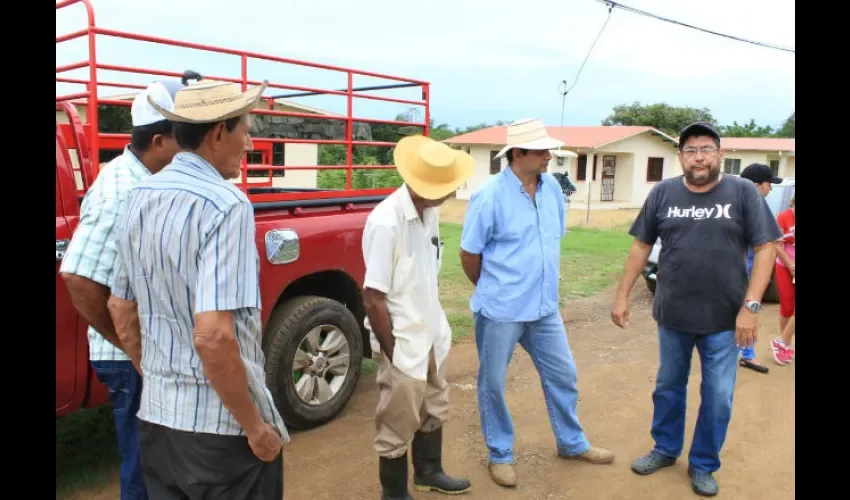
(432, 169)
(211, 101)
(528, 133)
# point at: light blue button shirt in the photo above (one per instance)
(519, 240)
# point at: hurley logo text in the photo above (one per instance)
(715, 212)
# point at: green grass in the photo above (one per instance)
(368, 367)
(86, 448)
(590, 261)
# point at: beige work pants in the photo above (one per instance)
(406, 405)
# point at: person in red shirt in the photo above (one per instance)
(783, 353)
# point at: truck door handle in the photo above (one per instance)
(61, 248)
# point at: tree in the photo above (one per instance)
(671, 120)
(335, 154)
(748, 130)
(666, 118)
(787, 128)
(114, 119)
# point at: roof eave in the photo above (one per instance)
(653, 131)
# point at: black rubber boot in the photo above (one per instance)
(428, 472)
(393, 473)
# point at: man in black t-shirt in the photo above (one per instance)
(706, 222)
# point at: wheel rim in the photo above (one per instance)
(321, 364)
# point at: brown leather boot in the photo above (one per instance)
(593, 455)
(503, 474)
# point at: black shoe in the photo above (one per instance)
(393, 473)
(746, 363)
(428, 472)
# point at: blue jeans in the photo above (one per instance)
(125, 389)
(545, 340)
(718, 356)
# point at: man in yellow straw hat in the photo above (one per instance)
(402, 252)
(511, 251)
(186, 293)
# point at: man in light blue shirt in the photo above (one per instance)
(511, 250)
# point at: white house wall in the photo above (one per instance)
(786, 162)
(790, 168)
(630, 174)
(746, 157)
(481, 155)
(643, 147)
(298, 155)
(630, 184)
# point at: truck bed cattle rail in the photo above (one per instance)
(86, 137)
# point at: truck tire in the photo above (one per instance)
(771, 294)
(323, 337)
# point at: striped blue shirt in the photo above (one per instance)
(92, 251)
(187, 246)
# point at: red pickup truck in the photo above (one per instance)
(308, 237)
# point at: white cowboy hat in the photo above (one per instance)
(210, 101)
(528, 133)
(432, 169)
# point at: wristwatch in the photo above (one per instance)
(752, 305)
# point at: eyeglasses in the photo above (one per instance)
(706, 150)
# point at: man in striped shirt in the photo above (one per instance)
(88, 268)
(187, 296)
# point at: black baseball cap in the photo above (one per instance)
(759, 172)
(698, 128)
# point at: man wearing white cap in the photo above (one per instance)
(511, 251)
(187, 294)
(403, 252)
(88, 267)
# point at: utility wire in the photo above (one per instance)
(611, 4)
(564, 89)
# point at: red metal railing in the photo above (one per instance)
(79, 133)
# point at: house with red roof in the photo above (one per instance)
(777, 153)
(618, 164)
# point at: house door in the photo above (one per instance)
(609, 164)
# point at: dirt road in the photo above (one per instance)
(616, 371)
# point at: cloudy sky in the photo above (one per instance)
(487, 60)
